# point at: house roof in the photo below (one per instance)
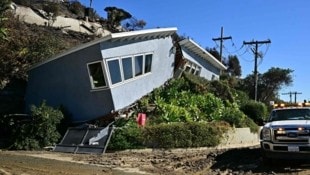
(123, 36)
(198, 50)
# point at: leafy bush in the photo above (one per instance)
(241, 97)
(127, 137)
(183, 135)
(173, 135)
(52, 9)
(176, 102)
(76, 8)
(257, 111)
(221, 90)
(237, 118)
(41, 132)
(201, 85)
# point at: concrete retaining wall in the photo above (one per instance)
(239, 137)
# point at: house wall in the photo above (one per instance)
(207, 69)
(66, 82)
(126, 93)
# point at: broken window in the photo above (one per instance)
(96, 75)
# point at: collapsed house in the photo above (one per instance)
(106, 75)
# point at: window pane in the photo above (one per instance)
(193, 71)
(148, 63)
(187, 68)
(96, 75)
(127, 68)
(138, 65)
(198, 71)
(115, 72)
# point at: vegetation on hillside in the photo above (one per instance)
(183, 113)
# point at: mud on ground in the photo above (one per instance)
(177, 161)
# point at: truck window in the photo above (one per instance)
(290, 114)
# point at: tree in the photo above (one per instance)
(233, 66)
(135, 24)
(214, 53)
(268, 84)
(4, 6)
(115, 16)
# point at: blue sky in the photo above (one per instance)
(286, 23)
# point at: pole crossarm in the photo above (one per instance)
(292, 93)
(257, 42)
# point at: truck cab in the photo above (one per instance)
(286, 135)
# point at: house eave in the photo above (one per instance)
(132, 35)
(199, 51)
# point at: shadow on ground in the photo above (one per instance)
(250, 160)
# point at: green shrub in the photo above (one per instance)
(76, 8)
(127, 137)
(52, 9)
(257, 111)
(241, 97)
(233, 116)
(221, 90)
(41, 132)
(247, 122)
(238, 119)
(183, 135)
(173, 135)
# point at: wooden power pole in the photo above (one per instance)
(292, 93)
(221, 38)
(256, 43)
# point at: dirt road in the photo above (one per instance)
(179, 161)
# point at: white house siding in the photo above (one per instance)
(208, 71)
(126, 93)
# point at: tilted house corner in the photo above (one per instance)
(104, 75)
(200, 62)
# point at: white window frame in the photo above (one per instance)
(193, 68)
(121, 67)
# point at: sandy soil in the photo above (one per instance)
(178, 161)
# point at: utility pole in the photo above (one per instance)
(221, 42)
(255, 62)
(292, 93)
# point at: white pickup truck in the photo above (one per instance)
(286, 135)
